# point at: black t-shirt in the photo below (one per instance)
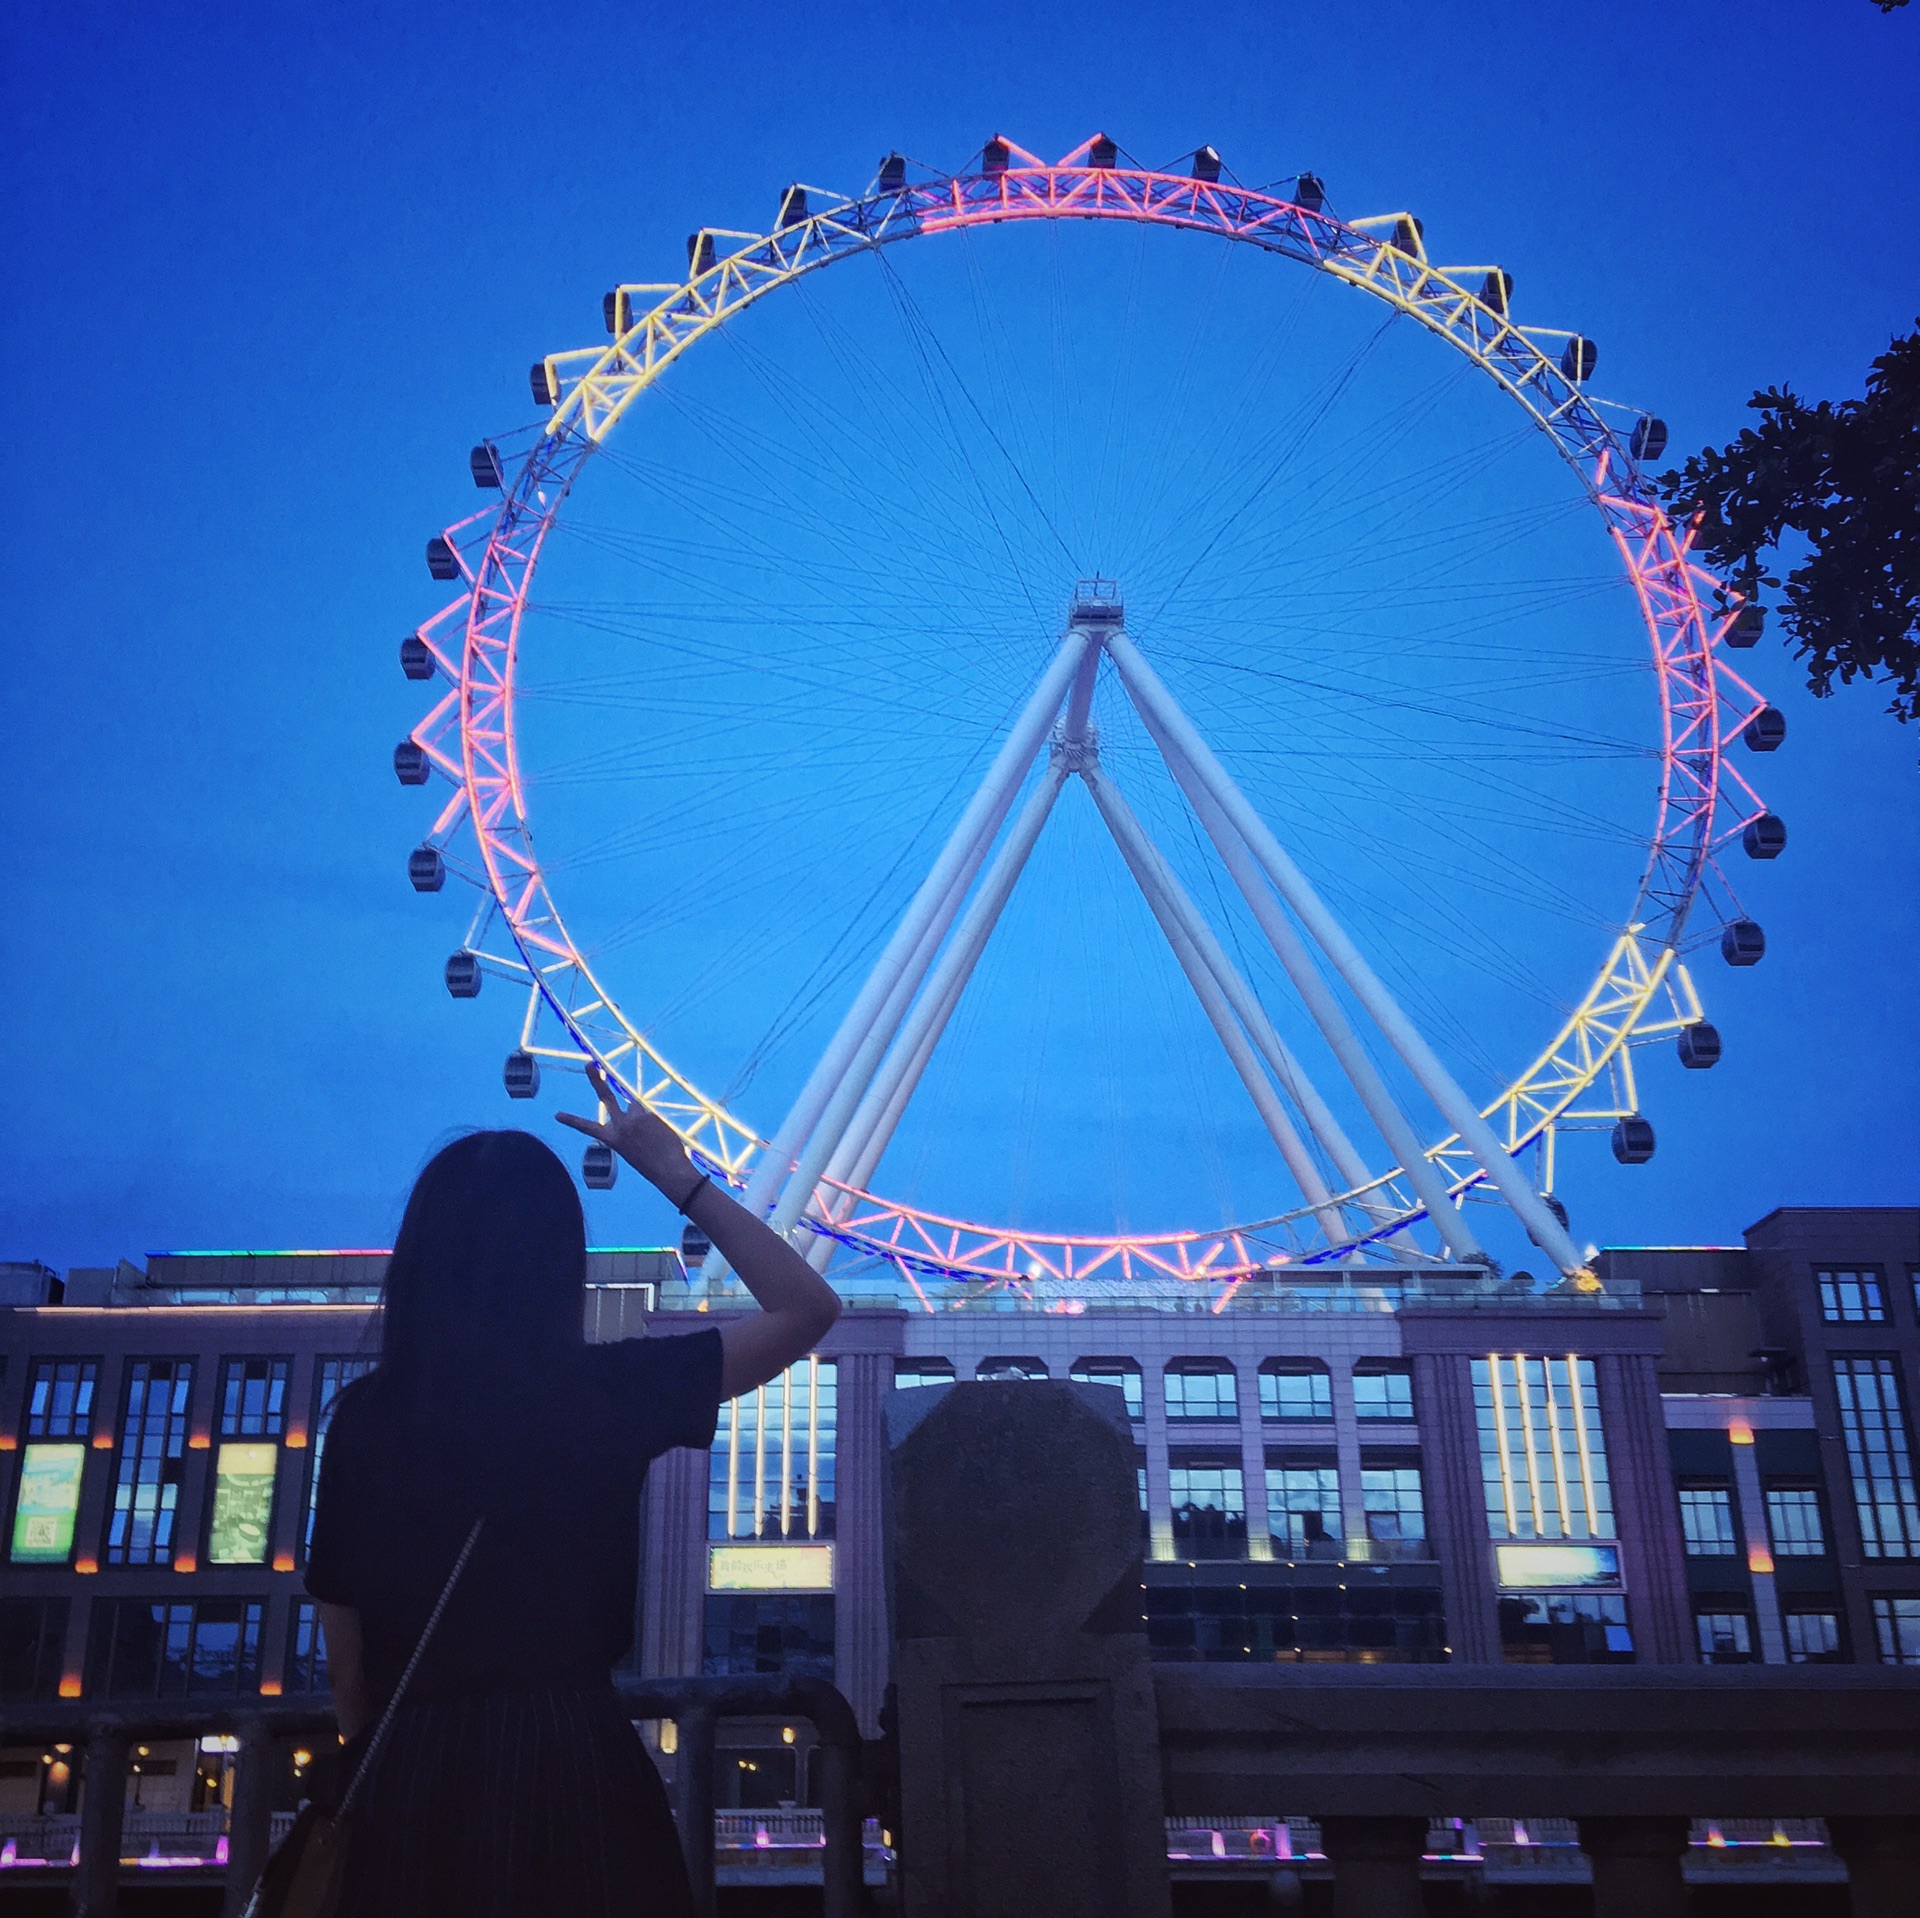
(548, 1595)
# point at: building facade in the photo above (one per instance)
(1711, 1459)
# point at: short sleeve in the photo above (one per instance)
(333, 1556)
(668, 1390)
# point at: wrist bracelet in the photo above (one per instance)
(700, 1184)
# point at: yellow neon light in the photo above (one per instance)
(1578, 1387)
(1501, 1441)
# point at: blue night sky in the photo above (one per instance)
(275, 269)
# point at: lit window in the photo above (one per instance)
(1121, 1372)
(1706, 1521)
(1003, 1369)
(1851, 1297)
(1295, 1391)
(253, 1398)
(770, 1474)
(1873, 1419)
(332, 1376)
(60, 1398)
(1793, 1522)
(142, 1648)
(1813, 1638)
(1303, 1511)
(1396, 1513)
(152, 1462)
(1896, 1623)
(1565, 1628)
(1543, 1458)
(306, 1650)
(1726, 1638)
(908, 1373)
(1209, 1509)
(1383, 1392)
(1201, 1391)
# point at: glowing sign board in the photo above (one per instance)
(49, 1500)
(243, 1477)
(769, 1568)
(1536, 1565)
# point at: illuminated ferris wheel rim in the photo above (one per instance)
(1642, 991)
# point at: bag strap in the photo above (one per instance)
(365, 1766)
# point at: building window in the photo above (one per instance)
(770, 1474)
(139, 1648)
(1290, 1391)
(1794, 1523)
(1146, 1514)
(1382, 1392)
(790, 1635)
(1896, 1623)
(331, 1378)
(1209, 1509)
(1396, 1513)
(306, 1650)
(253, 1397)
(1879, 1456)
(1121, 1372)
(1813, 1638)
(33, 1636)
(908, 1373)
(1852, 1297)
(1565, 1628)
(1303, 1511)
(60, 1398)
(1726, 1637)
(1706, 1521)
(1003, 1368)
(1261, 1623)
(1198, 1390)
(1543, 1458)
(152, 1462)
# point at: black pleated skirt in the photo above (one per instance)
(525, 1804)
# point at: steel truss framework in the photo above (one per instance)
(1583, 1077)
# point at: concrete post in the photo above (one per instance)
(103, 1806)
(693, 1774)
(1882, 1856)
(1376, 1865)
(860, 1594)
(842, 1893)
(1636, 1866)
(250, 1828)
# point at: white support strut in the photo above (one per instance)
(1165, 717)
(1176, 916)
(902, 966)
(870, 1130)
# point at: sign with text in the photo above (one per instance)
(1523, 1566)
(243, 1477)
(769, 1568)
(49, 1502)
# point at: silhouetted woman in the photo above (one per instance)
(511, 1783)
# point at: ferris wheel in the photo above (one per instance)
(814, 1173)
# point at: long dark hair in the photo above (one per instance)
(481, 1314)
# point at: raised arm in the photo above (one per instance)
(797, 1305)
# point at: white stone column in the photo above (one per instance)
(1759, 1547)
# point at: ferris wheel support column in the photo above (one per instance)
(814, 1127)
(1177, 919)
(871, 1129)
(1147, 691)
(1315, 994)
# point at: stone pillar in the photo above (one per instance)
(1346, 1445)
(1028, 1733)
(1752, 1499)
(1253, 1464)
(1882, 1857)
(859, 1565)
(95, 1892)
(1376, 1865)
(1636, 1866)
(1651, 1550)
(1159, 1484)
(1456, 1505)
(250, 1829)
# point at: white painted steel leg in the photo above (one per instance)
(891, 985)
(871, 1128)
(1176, 916)
(1455, 1107)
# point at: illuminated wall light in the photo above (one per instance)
(200, 1441)
(8, 1443)
(296, 1439)
(1759, 1561)
(103, 1441)
(1740, 1432)
(70, 1686)
(669, 1737)
(86, 1565)
(269, 1688)
(186, 1562)
(283, 1561)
